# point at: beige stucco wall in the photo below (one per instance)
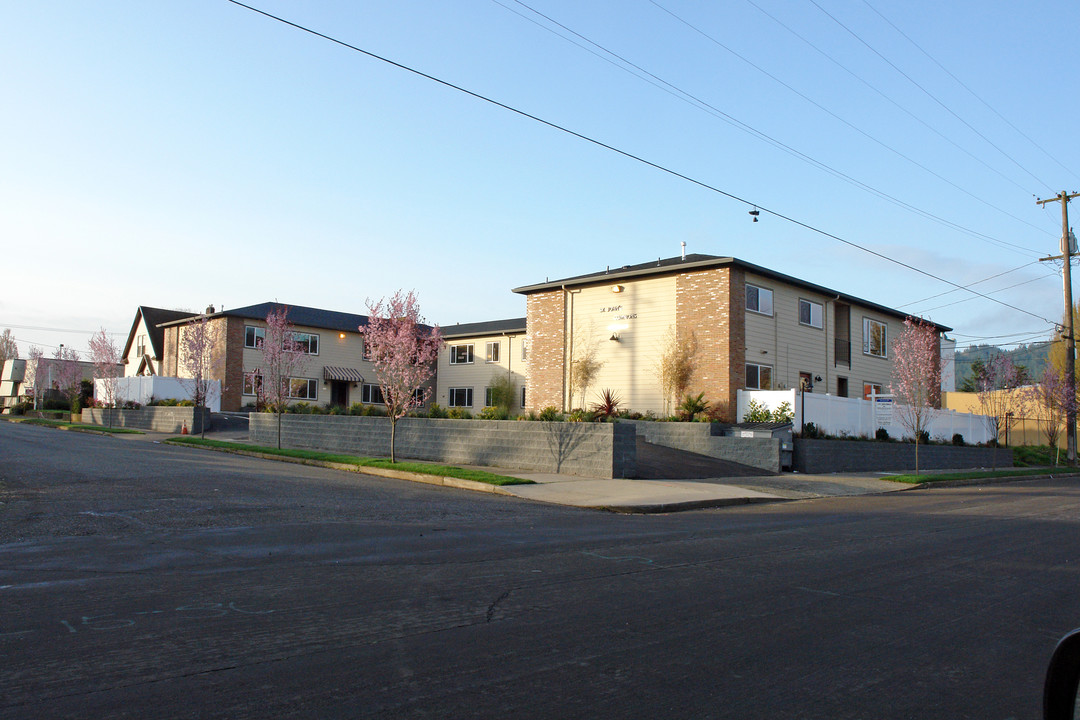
(479, 374)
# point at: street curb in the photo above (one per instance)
(992, 480)
(659, 508)
(378, 472)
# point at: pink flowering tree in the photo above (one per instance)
(36, 379)
(403, 351)
(1000, 399)
(200, 359)
(916, 382)
(1048, 402)
(106, 358)
(283, 358)
(67, 374)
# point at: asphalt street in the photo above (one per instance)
(142, 580)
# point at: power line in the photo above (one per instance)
(631, 156)
(973, 93)
(977, 282)
(64, 330)
(930, 95)
(1010, 287)
(857, 129)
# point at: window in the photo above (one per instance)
(489, 401)
(252, 383)
(875, 338)
(460, 397)
(419, 396)
(308, 342)
(810, 313)
(522, 396)
(870, 388)
(371, 394)
(365, 351)
(461, 354)
(303, 388)
(493, 351)
(140, 345)
(254, 336)
(841, 387)
(758, 377)
(759, 299)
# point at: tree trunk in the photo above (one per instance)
(393, 431)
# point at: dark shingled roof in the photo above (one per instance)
(676, 265)
(300, 316)
(490, 327)
(154, 317)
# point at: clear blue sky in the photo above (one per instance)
(181, 154)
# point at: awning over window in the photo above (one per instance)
(342, 373)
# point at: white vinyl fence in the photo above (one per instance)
(144, 388)
(835, 415)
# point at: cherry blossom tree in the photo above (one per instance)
(106, 358)
(282, 359)
(9, 349)
(999, 397)
(916, 382)
(37, 375)
(403, 351)
(200, 359)
(1048, 402)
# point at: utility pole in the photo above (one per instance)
(1070, 339)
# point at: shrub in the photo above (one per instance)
(607, 406)
(783, 413)
(459, 414)
(810, 430)
(580, 415)
(436, 411)
(881, 435)
(924, 438)
(20, 408)
(957, 439)
(373, 411)
(494, 413)
(338, 410)
(691, 406)
(756, 412)
(550, 414)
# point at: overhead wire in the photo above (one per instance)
(975, 95)
(930, 95)
(854, 127)
(631, 156)
(977, 282)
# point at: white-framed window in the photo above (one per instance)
(419, 396)
(303, 388)
(254, 336)
(252, 383)
(460, 397)
(140, 345)
(461, 354)
(758, 377)
(371, 394)
(871, 388)
(758, 299)
(491, 354)
(308, 342)
(875, 338)
(522, 396)
(810, 313)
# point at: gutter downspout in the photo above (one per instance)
(825, 320)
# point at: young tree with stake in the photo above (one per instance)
(282, 359)
(106, 357)
(67, 375)
(403, 351)
(916, 382)
(200, 358)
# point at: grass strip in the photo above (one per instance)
(78, 427)
(383, 463)
(982, 474)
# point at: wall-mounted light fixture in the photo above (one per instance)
(614, 337)
(616, 288)
(341, 335)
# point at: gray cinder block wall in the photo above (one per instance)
(154, 419)
(587, 449)
(827, 456)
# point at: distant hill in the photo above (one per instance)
(1032, 356)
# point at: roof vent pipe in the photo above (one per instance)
(683, 249)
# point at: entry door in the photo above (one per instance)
(339, 393)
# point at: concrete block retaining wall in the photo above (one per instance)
(154, 419)
(586, 449)
(703, 438)
(826, 456)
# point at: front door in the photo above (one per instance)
(339, 393)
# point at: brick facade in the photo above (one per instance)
(546, 332)
(704, 301)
